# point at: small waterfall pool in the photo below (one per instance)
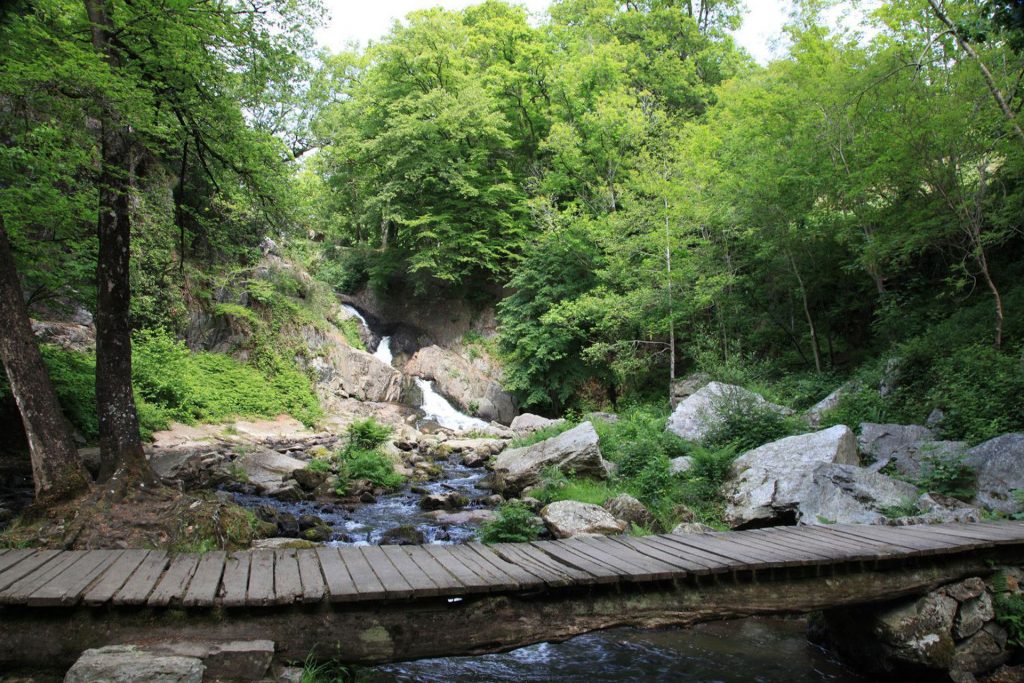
(383, 351)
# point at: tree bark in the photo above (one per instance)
(120, 440)
(56, 468)
(807, 313)
(671, 317)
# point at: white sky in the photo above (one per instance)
(364, 20)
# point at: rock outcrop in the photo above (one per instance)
(999, 464)
(575, 451)
(268, 468)
(342, 371)
(770, 482)
(466, 386)
(629, 510)
(127, 663)
(904, 448)
(528, 423)
(698, 414)
(568, 518)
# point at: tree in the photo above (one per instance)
(57, 470)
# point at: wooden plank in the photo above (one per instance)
(961, 541)
(903, 546)
(808, 536)
(619, 570)
(792, 550)
(715, 563)
(202, 591)
(139, 585)
(1010, 531)
(737, 556)
(883, 549)
(234, 584)
(470, 580)
(646, 568)
(19, 591)
(497, 578)
(28, 564)
(261, 578)
(367, 585)
(682, 565)
(115, 577)
(525, 579)
(445, 582)
(13, 557)
(546, 570)
(313, 587)
(174, 583)
(287, 581)
(560, 553)
(395, 585)
(336, 577)
(865, 550)
(66, 588)
(978, 538)
(410, 571)
(556, 574)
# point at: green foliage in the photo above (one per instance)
(653, 484)
(701, 488)
(515, 524)
(327, 672)
(557, 486)
(743, 423)
(318, 465)
(947, 474)
(367, 434)
(980, 390)
(74, 379)
(907, 508)
(638, 438)
(356, 463)
(1009, 608)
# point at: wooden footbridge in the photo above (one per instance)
(375, 604)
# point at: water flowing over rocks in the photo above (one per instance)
(697, 415)
(457, 379)
(574, 451)
(568, 518)
(999, 464)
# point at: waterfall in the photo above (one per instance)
(356, 313)
(383, 351)
(441, 411)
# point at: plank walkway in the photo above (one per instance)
(257, 578)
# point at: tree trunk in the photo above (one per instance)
(56, 468)
(120, 441)
(671, 316)
(807, 313)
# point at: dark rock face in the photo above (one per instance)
(403, 535)
(999, 464)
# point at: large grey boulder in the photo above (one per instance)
(129, 664)
(528, 423)
(904, 448)
(342, 371)
(818, 410)
(770, 482)
(574, 451)
(463, 384)
(999, 464)
(684, 387)
(697, 415)
(568, 518)
(269, 468)
(629, 510)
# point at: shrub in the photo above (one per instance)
(701, 489)
(367, 434)
(947, 474)
(318, 465)
(745, 423)
(515, 524)
(979, 388)
(354, 463)
(653, 484)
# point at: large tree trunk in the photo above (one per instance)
(56, 467)
(120, 440)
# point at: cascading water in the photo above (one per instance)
(383, 351)
(442, 412)
(355, 312)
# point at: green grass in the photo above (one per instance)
(541, 434)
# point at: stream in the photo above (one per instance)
(763, 650)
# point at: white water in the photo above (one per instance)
(383, 351)
(356, 313)
(441, 411)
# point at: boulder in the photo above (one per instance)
(846, 494)
(309, 480)
(574, 451)
(680, 465)
(288, 491)
(343, 372)
(129, 664)
(403, 535)
(610, 418)
(629, 510)
(685, 387)
(67, 335)
(265, 467)
(904, 448)
(466, 386)
(999, 464)
(770, 482)
(528, 423)
(698, 414)
(818, 410)
(238, 660)
(443, 501)
(282, 543)
(462, 517)
(568, 518)
(692, 528)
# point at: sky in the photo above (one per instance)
(365, 20)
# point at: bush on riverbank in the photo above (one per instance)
(515, 524)
(362, 457)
